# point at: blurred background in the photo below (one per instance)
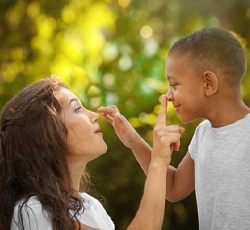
(113, 52)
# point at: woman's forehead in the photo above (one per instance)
(65, 95)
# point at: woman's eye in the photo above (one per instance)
(77, 110)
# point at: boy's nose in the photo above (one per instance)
(169, 96)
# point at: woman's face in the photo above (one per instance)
(85, 138)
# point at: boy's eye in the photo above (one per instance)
(172, 85)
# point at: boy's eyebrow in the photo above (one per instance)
(169, 77)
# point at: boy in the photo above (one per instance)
(205, 70)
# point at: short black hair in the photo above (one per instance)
(213, 49)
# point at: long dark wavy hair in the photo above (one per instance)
(33, 155)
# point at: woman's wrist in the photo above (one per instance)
(160, 162)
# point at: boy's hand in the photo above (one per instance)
(165, 138)
(124, 130)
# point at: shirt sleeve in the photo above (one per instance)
(31, 216)
(199, 134)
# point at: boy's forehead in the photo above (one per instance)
(172, 64)
(178, 65)
(177, 58)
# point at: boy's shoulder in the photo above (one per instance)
(205, 124)
(239, 124)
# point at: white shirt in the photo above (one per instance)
(35, 218)
(222, 175)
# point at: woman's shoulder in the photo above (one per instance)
(89, 200)
(95, 214)
(27, 205)
(91, 204)
(32, 201)
(31, 214)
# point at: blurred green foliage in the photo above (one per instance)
(113, 52)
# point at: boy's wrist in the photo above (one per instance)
(137, 142)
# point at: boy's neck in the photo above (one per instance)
(225, 106)
(226, 115)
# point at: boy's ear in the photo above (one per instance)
(210, 83)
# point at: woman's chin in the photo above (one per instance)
(103, 149)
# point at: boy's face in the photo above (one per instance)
(186, 90)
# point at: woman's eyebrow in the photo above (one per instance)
(73, 99)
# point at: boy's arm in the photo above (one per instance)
(128, 135)
(131, 139)
(180, 181)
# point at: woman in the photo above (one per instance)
(46, 140)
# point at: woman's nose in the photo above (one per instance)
(94, 116)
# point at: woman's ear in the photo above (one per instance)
(211, 83)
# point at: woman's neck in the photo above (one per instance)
(76, 169)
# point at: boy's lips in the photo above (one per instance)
(177, 108)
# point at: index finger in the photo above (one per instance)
(110, 110)
(161, 120)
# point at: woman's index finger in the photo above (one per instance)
(162, 114)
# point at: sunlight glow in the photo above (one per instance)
(124, 3)
(146, 31)
(125, 63)
(147, 118)
(33, 9)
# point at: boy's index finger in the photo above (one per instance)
(163, 112)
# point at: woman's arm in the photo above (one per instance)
(151, 211)
(80, 226)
